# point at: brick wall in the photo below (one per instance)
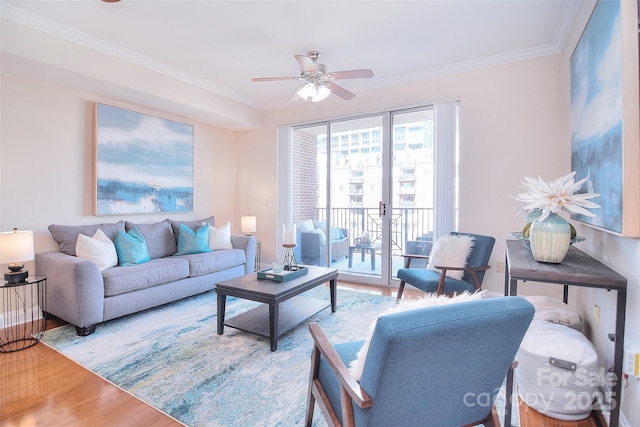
(304, 174)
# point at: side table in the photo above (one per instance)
(363, 249)
(23, 307)
(577, 269)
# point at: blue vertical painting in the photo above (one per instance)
(144, 164)
(596, 114)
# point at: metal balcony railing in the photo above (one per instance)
(408, 224)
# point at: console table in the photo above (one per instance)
(577, 269)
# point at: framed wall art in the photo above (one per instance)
(143, 163)
(605, 146)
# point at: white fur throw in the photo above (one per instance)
(451, 251)
(431, 300)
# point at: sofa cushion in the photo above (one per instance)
(323, 237)
(305, 226)
(159, 237)
(98, 248)
(336, 234)
(120, 280)
(193, 225)
(193, 242)
(67, 235)
(212, 262)
(131, 248)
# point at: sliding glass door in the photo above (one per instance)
(362, 192)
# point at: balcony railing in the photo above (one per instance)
(407, 224)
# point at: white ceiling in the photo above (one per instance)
(221, 45)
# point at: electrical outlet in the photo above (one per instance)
(597, 314)
(631, 361)
(500, 267)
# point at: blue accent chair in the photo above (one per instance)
(432, 281)
(435, 366)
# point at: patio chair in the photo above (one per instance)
(440, 281)
(432, 366)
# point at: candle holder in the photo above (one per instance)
(289, 243)
(289, 261)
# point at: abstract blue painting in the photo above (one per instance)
(144, 164)
(596, 114)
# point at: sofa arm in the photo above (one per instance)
(248, 245)
(75, 288)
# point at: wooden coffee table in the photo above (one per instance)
(284, 307)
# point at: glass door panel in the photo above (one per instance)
(412, 184)
(362, 193)
(308, 192)
(356, 175)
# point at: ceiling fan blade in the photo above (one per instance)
(306, 64)
(273, 79)
(340, 91)
(352, 74)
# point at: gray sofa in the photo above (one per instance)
(83, 295)
(312, 241)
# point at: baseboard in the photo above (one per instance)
(18, 317)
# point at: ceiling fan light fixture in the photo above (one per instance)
(322, 93)
(313, 92)
(307, 91)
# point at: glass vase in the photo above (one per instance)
(550, 239)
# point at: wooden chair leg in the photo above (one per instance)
(315, 365)
(400, 291)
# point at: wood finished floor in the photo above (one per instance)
(39, 386)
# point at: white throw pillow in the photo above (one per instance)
(451, 251)
(220, 238)
(99, 249)
(431, 300)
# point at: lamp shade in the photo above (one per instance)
(248, 224)
(16, 246)
(322, 93)
(314, 92)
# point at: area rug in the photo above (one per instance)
(172, 358)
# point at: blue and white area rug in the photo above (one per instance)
(172, 358)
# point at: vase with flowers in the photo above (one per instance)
(549, 234)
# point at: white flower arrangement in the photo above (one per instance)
(553, 197)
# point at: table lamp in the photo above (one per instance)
(16, 247)
(248, 224)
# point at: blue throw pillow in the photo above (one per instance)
(190, 242)
(131, 248)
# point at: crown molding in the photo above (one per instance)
(12, 13)
(61, 31)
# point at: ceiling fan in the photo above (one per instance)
(319, 82)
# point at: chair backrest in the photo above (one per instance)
(480, 253)
(441, 365)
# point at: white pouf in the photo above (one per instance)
(557, 372)
(555, 311)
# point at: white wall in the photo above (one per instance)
(46, 167)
